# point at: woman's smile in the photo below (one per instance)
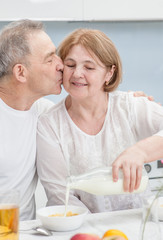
(78, 84)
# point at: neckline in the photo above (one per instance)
(81, 131)
(15, 111)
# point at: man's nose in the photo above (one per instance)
(60, 64)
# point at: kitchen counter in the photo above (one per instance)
(127, 221)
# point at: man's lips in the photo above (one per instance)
(61, 80)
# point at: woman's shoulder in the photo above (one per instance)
(121, 95)
(121, 101)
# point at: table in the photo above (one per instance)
(127, 221)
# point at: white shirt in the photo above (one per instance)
(64, 149)
(18, 152)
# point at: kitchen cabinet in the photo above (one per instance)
(114, 10)
(45, 10)
(82, 10)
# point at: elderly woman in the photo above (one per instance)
(96, 126)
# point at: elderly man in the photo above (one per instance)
(29, 70)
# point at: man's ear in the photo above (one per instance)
(20, 72)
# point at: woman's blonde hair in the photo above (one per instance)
(100, 45)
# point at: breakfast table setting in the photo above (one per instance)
(127, 221)
(70, 222)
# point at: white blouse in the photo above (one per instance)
(63, 149)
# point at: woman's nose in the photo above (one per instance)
(78, 72)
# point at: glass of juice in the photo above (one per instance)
(9, 215)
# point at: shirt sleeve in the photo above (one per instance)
(52, 166)
(147, 117)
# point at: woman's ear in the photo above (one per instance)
(19, 72)
(111, 71)
(109, 74)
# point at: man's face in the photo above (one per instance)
(45, 67)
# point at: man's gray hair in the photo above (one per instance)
(14, 43)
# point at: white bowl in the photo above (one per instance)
(61, 223)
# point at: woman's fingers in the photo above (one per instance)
(126, 179)
(133, 179)
(115, 171)
(138, 177)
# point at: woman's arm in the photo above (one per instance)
(148, 125)
(133, 158)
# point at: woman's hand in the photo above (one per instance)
(131, 162)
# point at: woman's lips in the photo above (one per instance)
(79, 84)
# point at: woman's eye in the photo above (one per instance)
(89, 68)
(70, 66)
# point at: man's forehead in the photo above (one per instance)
(41, 43)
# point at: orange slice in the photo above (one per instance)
(113, 234)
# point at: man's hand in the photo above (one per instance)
(142, 94)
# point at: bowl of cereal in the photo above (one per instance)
(53, 218)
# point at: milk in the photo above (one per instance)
(67, 198)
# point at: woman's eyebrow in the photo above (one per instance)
(69, 59)
(86, 61)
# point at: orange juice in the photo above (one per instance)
(9, 222)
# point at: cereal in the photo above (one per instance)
(68, 214)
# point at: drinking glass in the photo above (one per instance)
(150, 227)
(9, 215)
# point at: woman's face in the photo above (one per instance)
(84, 76)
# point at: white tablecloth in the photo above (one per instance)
(127, 221)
